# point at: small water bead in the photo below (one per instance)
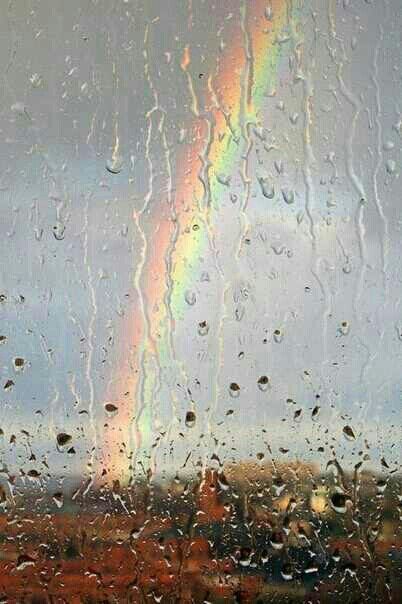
(288, 196)
(268, 12)
(111, 409)
(338, 502)
(9, 384)
(190, 419)
(287, 572)
(277, 540)
(381, 486)
(263, 383)
(278, 336)
(344, 328)
(63, 439)
(115, 165)
(234, 389)
(267, 188)
(58, 499)
(390, 166)
(223, 179)
(388, 145)
(348, 433)
(203, 328)
(19, 363)
(190, 297)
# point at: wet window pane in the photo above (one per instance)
(200, 298)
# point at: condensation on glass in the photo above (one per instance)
(200, 301)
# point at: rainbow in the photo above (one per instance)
(183, 222)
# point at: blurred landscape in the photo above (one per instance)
(246, 532)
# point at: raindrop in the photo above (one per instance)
(111, 409)
(278, 336)
(268, 12)
(348, 433)
(288, 196)
(267, 188)
(381, 486)
(287, 572)
(203, 328)
(8, 385)
(19, 363)
(115, 165)
(63, 439)
(239, 312)
(277, 540)
(3, 339)
(344, 328)
(263, 383)
(190, 297)
(190, 419)
(58, 499)
(245, 557)
(59, 231)
(234, 389)
(24, 561)
(315, 412)
(391, 166)
(338, 502)
(388, 145)
(223, 180)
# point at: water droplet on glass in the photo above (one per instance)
(348, 433)
(344, 328)
(115, 165)
(63, 439)
(36, 80)
(59, 231)
(19, 363)
(267, 188)
(8, 385)
(288, 196)
(234, 390)
(277, 540)
(223, 180)
(190, 419)
(111, 409)
(278, 336)
(338, 502)
(390, 166)
(268, 12)
(203, 328)
(388, 145)
(190, 297)
(263, 383)
(58, 499)
(287, 572)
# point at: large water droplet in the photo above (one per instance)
(338, 502)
